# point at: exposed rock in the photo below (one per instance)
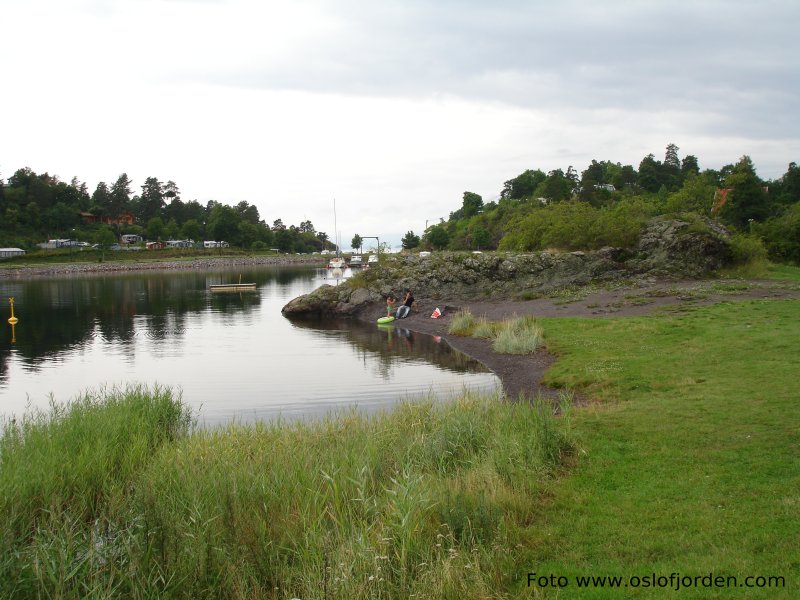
(671, 248)
(329, 300)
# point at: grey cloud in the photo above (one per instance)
(731, 59)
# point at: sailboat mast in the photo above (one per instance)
(335, 228)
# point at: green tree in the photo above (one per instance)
(437, 236)
(120, 196)
(155, 229)
(61, 218)
(410, 240)
(523, 185)
(689, 166)
(248, 212)
(747, 201)
(481, 238)
(671, 168)
(171, 229)
(191, 230)
(105, 237)
(649, 174)
(356, 242)
(101, 199)
(223, 224)
(151, 201)
(696, 195)
(471, 205)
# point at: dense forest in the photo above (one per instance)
(605, 205)
(35, 208)
(608, 203)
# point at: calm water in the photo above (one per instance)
(232, 355)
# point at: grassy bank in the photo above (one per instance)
(691, 462)
(116, 497)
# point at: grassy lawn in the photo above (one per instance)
(690, 463)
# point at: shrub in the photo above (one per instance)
(519, 336)
(463, 323)
(746, 248)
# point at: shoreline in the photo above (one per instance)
(155, 264)
(521, 375)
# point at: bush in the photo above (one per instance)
(519, 336)
(746, 248)
(463, 323)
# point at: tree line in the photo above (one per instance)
(35, 207)
(608, 203)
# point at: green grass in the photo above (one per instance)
(463, 323)
(520, 335)
(421, 502)
(786, 272)
(691, 463)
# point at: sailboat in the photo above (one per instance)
(337, 262)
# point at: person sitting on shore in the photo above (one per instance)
(405, 308)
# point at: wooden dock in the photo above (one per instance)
(233, 287)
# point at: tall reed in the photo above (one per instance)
(425, 497)
(521, 335)
(65, 479)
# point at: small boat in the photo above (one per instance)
(356, 261)
(337, 263)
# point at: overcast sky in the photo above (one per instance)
(392, 108)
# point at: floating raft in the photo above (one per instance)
(233, 287)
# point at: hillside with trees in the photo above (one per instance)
(609, 203)
(37, 207)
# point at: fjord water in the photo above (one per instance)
(233, 356)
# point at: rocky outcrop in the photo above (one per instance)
(668, 248)
(686, 248)
(328, 300)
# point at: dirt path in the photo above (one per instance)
(522, 375)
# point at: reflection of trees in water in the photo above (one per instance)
(388, 342)
(59, 314)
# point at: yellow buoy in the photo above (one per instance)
(13, 320)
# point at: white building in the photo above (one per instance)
(11, 252)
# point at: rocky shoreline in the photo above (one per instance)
(193, 263)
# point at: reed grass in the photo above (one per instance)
(463, 323)
(485, 328)
(127, 501)
(520, 335)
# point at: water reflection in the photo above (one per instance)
(391, 344)
(234, 354)
(61, 314)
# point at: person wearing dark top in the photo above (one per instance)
(405, 308)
